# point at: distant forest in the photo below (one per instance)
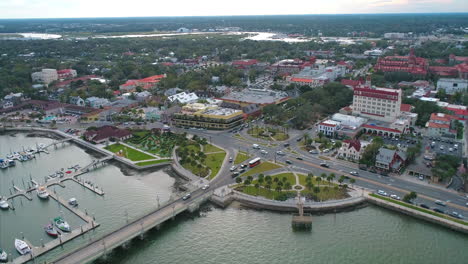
(329, 25)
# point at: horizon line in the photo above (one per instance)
(264, 15)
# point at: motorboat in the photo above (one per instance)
(42, 192)
(11, 163)
(10, 156)
(3, 165)
(16, 156)
(62, 224)
(73, 202)
(51, 231)
(22, 247)
(3, 255)
(4, 204)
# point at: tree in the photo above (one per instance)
(409, 197)
(276, 179)
(250, 178)
(257, 186)
(287, 186)
(352, 181)
(238, 180)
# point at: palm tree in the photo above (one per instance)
(329, 179)
(250, 178)
(276, 179)
(278, 188)
(257, 186)
(333, 176)
(284, 179)
(352, 181)
(287, 186)
(268, 186)
(260, 180)
(261, 176)
(238, 180)
(309, 185)
(319, 179)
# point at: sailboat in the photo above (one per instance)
(22, 247)
(62, 224)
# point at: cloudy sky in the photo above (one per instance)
(131, 8)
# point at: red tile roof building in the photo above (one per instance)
(441, 125)
(244, 64)
(352, 149)
(66, 74)
(145, 83)
(410, 64)
(290, 66)
(106, 133)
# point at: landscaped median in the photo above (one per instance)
(262, 167)
(152, 162)
(417, 208)
(129, 153)
(241, 157)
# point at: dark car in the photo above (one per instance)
(438, 210)
(288, 162)
(384, 173)
(424, 206)
(299, 139)
(235, 174)
(286, 145)
(299, 158)
(241, 170)
(323, 164)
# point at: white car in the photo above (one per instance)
(382, 193)
(281, 153)
(396, 197)
(233, 168)
(439, 202)
(255, 146)
(206, 186)
(264, 152)
(355, 173)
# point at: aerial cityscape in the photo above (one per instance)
(205, 134)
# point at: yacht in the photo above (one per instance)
(3, 255)
(4, 204)
(22, 247)
(42, 192)
(51, 231)
(62, 224)
(10, 156)
(11, 163)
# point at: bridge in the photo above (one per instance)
(136, 228)
(95, 163)
(57, 142)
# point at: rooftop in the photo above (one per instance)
(256, 96)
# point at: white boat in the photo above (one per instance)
(22, 247)
(11, 163)
(4, 204)
(10, 156)
(3, 165)
(42, 192)
(62, 224)
(73, 202)
(3, 256)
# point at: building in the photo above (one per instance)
(261, 97)
(207, 116)
(183, 98)
(352, 149)
(409, 64)
(107, 133)
(395, 35)
(329, 127)
(320, 53)
(6, 104)
(45, 76)
(145, 83)
(96, 102)
(382, 104)
(289, 66)
(152, 113)
(349, 120)
(66, 74)
(76, 100)
(389, 160)
(318, 75)
(451, 86)
(244, 64)
(441, 125)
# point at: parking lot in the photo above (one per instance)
(440, 146)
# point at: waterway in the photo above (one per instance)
(128, 194)
(229, 236)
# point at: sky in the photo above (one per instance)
(140, 8)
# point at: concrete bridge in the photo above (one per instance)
(102, 246)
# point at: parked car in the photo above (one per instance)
(264, 152)
(299, 158)
(355, 173)
(286, 145)
(381, 192)
(439, 202)
(326, 150)
(396, 197)
(233, 168)
(438, 210)
(456, 215)
(243, 166)
(205, 187)
(235, 174)
(230, 159)
(281, 153)
(299, 139)
(424, 206)
(255, 146)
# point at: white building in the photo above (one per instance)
(382, 104)
(349, 120)
(183, 98)
(45, 76)
(329, 127)
(451, 86)
(352, 149)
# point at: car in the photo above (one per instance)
(437, 210)
(383, 173)
(299, 158)
(314, 151)
(288, 162)
(243, 166)
(299, 139)
(424, 206)
(286, 145)
(323, 164)
(230, 159)
(326, 150)
(381, 192)
(264, 152)
(450, 149)
(187, 196)
(439, 202)
(255, 146)
(205, 187)
(396, 197)
(441, 147)
(455, 146)
(281, 153)
(233, 168)
(241, 170)
(355, 173)
(456, 215)
(235, 174)
(421, 178)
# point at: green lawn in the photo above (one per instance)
(241, 157)
(289, 178)
(267, 133)
(303, 182)
(262, 167)
(269, 194)
(214, 163)
(129, 153)
(146, 163)
(210, 148)
(418, 209)
(325, 193)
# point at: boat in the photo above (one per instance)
(73, 202)
(4, 204)
(11, 163)
(3, 165)
(10, 156)
(3, 255)
(42, 192)
(62, 224)
(51, 231)
(22, 247)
